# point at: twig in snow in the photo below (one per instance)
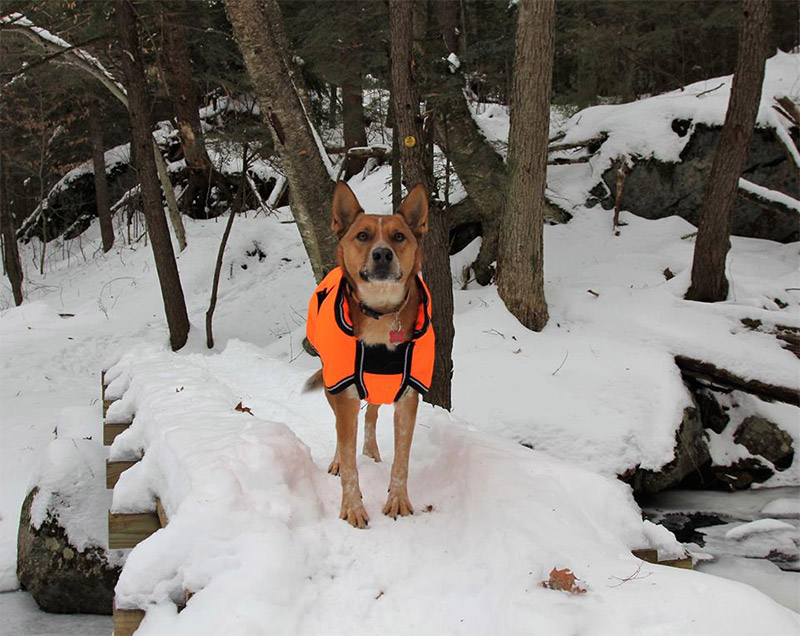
(593, 293)
(689, 235)
(566, 355)
(632, 577)
(494, 332)
(710, 90)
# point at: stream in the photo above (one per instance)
(752, 536)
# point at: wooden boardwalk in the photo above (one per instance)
(127, 530)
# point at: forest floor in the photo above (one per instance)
(595, 393)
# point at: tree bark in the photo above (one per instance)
(709, 283)
(478, 166)
(416, 165)
(183, 94)
(100, 181)
(11, 262)
(141, 138)
(520, 275)
(355, 133)
(310, 184)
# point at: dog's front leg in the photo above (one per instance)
(370, 442)
(346, 408)
(405, 416)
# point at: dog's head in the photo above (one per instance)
(380, 254)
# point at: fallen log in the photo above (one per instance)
(360, 152)
(766, 198)
(722, 378)
(578, 144)
(567, 161)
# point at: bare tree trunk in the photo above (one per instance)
(11, 262)
(141, 138)
(416, 164)
(257, 27)
(183, 94)
(100, 181)
(709, 283)
(520, 275)
(480, 169)
(212, 305)
(355, 133)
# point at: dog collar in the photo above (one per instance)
(373, 313)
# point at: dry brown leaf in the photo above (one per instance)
(243, 409)
(563, 580)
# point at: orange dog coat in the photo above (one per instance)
(379, 374)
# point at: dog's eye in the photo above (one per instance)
(399, 237)
(362, 236)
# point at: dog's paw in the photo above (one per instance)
(398, 504)
(354, 513)
(371, 450)
(333, 468)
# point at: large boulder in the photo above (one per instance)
(655, 189)
(765, 438)
(60, 577)
(61, 555)
(691, 455)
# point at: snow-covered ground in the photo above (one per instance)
(595, 393)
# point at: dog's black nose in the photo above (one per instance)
(382, 255)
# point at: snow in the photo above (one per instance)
(253, 514)
(761, 526)
(19, 615)
(71, 482)
(770, 195)
(253, 521)
(782, 508)
(780, 585)
(453, 62)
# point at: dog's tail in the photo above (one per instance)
(314, 383)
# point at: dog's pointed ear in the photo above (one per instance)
(345, 209)
(414, 209)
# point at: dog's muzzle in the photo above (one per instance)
(382, 266)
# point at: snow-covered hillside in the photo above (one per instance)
(595, 393)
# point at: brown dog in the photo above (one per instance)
(369, 320)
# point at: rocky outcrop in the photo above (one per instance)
(691, 455)
(765, 438)
(655, 190)
(60, 577)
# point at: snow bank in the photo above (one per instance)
(762, 526)
(254, 525)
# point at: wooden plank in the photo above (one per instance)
(685, 563)
(651, 556)
(111, 430)
(126, 621)
(128, 530)
(646, 554)
(162, 515)
(107, 403)
(114, 470)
